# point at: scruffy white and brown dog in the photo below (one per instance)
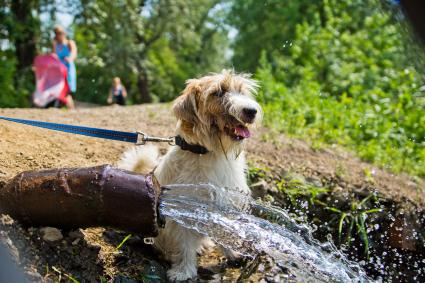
(214, 115)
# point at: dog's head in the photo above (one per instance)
(217, 111)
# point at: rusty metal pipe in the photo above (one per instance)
(84, 197)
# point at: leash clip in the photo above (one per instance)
(143, 138)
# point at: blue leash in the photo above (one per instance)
(137, 138)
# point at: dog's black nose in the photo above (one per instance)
(249, 113)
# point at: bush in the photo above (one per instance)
(9, 95)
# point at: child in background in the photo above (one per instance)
(118, 93)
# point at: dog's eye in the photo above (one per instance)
(219, 93)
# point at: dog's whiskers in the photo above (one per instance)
(238, 153)
(222, 148)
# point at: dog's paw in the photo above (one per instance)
(230, 254)
(234, 259)
(207, 245)
(179, 274)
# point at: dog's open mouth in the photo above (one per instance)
(237, 132)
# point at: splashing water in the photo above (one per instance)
(226, 216)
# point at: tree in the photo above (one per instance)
(20, 37)
(266, 25)
(135, 39)
(19, 29)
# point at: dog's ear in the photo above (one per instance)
(185, 106)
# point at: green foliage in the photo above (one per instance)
(19, 28)
(152, 45)
(295, 189)
(265, 25)
(342, 77)
(9, 97)
(255, 174)
(354, 221)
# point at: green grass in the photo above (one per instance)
(146, 278)
(295, 189)
(255, 173)
(354, 221)
(123, 242)
(393, 138)
(68, 277)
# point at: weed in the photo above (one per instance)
(123, 242)
(355, 221)
(340, 171)
(368, 175)
(255, 173)
(316, 145)
(146, 278)
(60, 273)
(295, 188)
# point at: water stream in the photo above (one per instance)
(249, 227)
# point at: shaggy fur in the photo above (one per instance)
(215, 111)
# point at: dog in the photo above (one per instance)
(215, 114)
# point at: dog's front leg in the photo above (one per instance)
(184, 259)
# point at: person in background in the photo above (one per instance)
(118, 93)
(66, 50)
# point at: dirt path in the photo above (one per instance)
(23, 148)
(26, 148)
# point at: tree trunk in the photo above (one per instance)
(143, 86)
(24, 34)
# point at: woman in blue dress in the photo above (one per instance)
(66, 50)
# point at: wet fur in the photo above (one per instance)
(203, 110)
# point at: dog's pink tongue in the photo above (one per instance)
(242, 131)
